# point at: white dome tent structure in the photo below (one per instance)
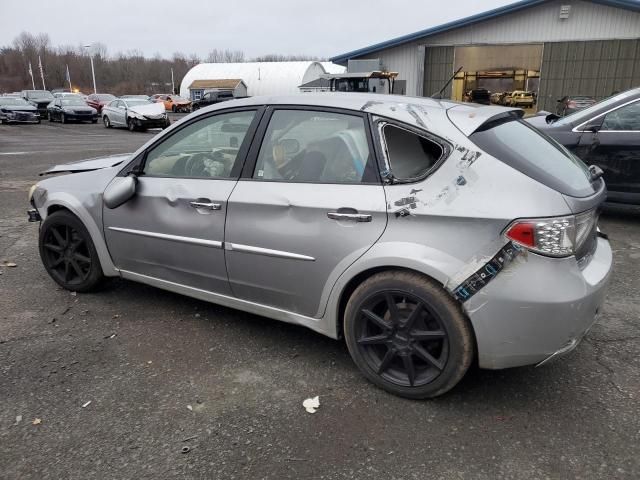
(260, 78)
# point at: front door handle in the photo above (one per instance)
(206, 205)
(356, 217)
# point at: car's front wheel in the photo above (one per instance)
(106, 121)
(407, 335)
(131, 125)
(68, 253)
(63, 118)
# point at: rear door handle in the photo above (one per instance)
(356, 217)
(206, 205)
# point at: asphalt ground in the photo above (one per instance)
(164, 372)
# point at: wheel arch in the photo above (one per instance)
(357, 279)
(63, 201)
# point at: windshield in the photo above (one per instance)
(176, 98)
(39, 94)
(602, 104)
(135, 102)
(71, 101)
(533, 153)
(105, 97)
(12, 101)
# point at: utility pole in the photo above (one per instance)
(93, 71)
(173, 85)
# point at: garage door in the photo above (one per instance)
(595, 68)
(438, 68)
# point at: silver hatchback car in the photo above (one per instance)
(426, 233)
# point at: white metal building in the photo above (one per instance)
(588, 47)
(260, 78)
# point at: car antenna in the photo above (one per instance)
(438, 95)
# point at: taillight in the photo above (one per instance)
(556, 236)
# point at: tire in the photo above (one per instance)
(131, 125)
(68, 254)
(50, 118)
(63, 118)
(407, 335)
(106, 122)
(95, 120)
(195, 107)
(174, 108)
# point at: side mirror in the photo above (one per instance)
(120, 190)
(594, 125)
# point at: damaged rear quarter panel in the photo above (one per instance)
(451, 222)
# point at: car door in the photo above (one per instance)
(173, 228)
(114, 111)
(310, 202)
(615, 147)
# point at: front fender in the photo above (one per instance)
(71, 203)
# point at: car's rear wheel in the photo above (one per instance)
(106, 121)
(68, 253)
(407, 335)
(63, 118)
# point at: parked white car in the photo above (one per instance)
(135, 114)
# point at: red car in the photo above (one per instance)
(99, 100)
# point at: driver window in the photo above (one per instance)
(624, 118)
(207, 148)
(320, 147)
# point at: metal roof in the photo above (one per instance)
(216, 83)
(633, 5)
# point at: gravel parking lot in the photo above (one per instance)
(163, 372)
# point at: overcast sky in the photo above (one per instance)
(321, 28)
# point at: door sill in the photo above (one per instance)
(319, 325)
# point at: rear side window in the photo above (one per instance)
(410, 156)
(536, 155)
(315, 146)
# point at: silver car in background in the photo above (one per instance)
(134, 114)
(425, 233)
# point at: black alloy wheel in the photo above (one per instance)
(402, 339)
(68, 254)
(408, 335)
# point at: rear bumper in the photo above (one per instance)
(538, 307)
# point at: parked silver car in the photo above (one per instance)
(135, 114)
(427, 233)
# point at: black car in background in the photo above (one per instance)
(17, 110)
(39, 99)
(71, 108)
(606, 134)
(210, 98)
(572, 103)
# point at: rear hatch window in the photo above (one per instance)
(535, 154)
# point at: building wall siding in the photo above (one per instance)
(540, 24)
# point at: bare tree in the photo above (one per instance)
(225, 56)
